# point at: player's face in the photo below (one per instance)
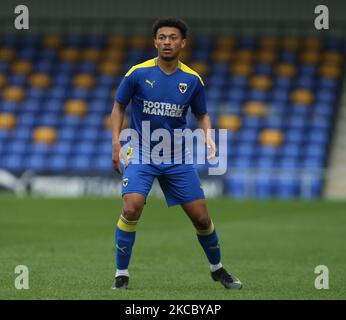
(169, 42)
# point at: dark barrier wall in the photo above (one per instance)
(272, 10)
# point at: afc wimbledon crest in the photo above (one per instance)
(125, 182)
(182, 87)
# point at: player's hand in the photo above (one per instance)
(117, 156)
(211, 148)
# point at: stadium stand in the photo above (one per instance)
(277, 97)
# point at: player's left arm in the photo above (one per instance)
(205, 124)
(199, 109)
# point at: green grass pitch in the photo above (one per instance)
(272, 246)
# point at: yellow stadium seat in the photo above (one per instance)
(91, 54)
(271, 137)
(241, 69)
(200, 67)
(7, 121)
(244, 55)
(290, 43)
(75, 107)
(140, 42)
(109, 67)
(312, 57)
(3, 80)
(7, 54)
(13, 93)
(225, 43)
(113, 55)
(268, 43)
(313, 43)
(286, 70)
(40, 80)
(223, 56)
(330, 70)
(21, 67)
(255, 109)
(52, 41)
(185, 55)
(266, 56)
(302, 96)
(229, 121)
(69, 54)
(83, 80)
(44, 135)
(261, 82)
(333, 57)
(118, 42)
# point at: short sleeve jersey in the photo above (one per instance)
(160, 98)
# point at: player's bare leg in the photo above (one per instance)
(207, 237)
(133, 204)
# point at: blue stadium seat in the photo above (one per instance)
(23, 133)
(269, 151)
(282, 83)
(307, 69)
(12, 162)
(238, 81)
(280, 95)
(85, 148)
(103, 164)
(39, 148)
(87, 67)
(325, 96)
(236, 94)
(241, 162)
(265, 162)
(44, 67)
(58, 163)
(63, 148)
(78, 93)
(245, 150)
(31, 105)
(35, 93)
(9, 106)
(67, 133)
(36, 162)
(16, 147)
(288, 56)
(288, 186)
(257, 95)
(248, 135)
(291, 150)
(312, 185)
(315, 151)
(264, 186)
(80, 164)
(288, 163)
(17, 80)
(264, 69)
(236, 186)
(294, 136)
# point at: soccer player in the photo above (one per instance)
(162, 89)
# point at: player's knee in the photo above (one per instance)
(132, 211)
(203, 222)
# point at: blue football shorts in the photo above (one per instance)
(180, 183)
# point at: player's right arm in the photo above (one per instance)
(117, 119)
(124, 94)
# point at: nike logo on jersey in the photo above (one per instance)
(150, 83)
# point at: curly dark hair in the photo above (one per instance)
(170, 22)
